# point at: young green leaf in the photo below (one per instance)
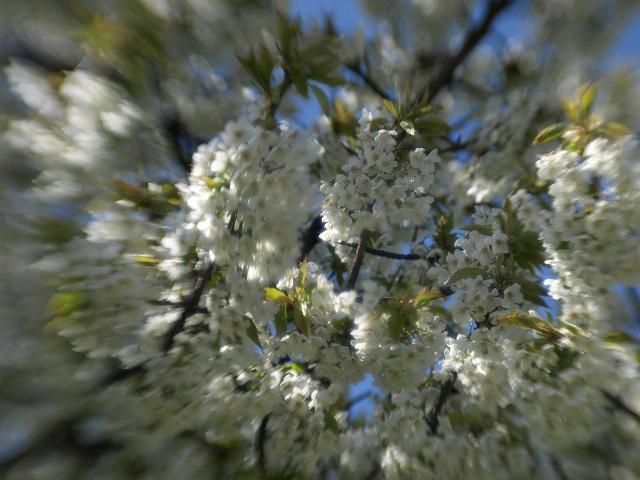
(550, 133)
(467, 272)
(525, 320)
(277, 296)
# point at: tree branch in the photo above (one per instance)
(310, 237)
(368, 81)
(191, 306)
(384, 253)
(620, 405)
(472, 39)
(447, 389)
(261, 438)
(357, 261)
(359, 398)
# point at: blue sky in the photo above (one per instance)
(348, 15)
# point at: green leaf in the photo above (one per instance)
(531, 291)
(299, 79)
(55, 230)
(282, 320)
(292, 367)
(467, 272)
(145, 259)
(301, 321)
(67, 302)
(337, 266)
(277, 296)
(378, 123)
(329, 80)
(259, 69)
(252, 331)
(303, 272)
(323, 101)
(391, 108)
(586, 95)
(525, 320)
(549, 133)
(614, 130)
(570, 110)
(216, 184)
(424, 297)
(616, 338)
(432, 126)
(396, 327)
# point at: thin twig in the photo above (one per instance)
(384, 253)
(274, 103)
(368, 80)
(357, 399)
(357, 261)
(472, 39)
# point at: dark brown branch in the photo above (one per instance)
(357, 261)
(457, 145)
(384, 253)
(447, 389)
(359, 398)
(118, 372)
(472, 39)
(261, 438)
(620, 405)
(368, 81)
(310, 237)
(191, 306)
(558, 468)
(177, 135)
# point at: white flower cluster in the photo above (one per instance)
(381, 189)
(206, 347)
(250, 192)
(79, 134)
(396, 363)
(593, 233)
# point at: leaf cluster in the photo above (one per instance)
(582, 125)
(157, 204)
(290, 304)
(302, 58)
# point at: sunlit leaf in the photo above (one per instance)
(276, 296)
(525, 320)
